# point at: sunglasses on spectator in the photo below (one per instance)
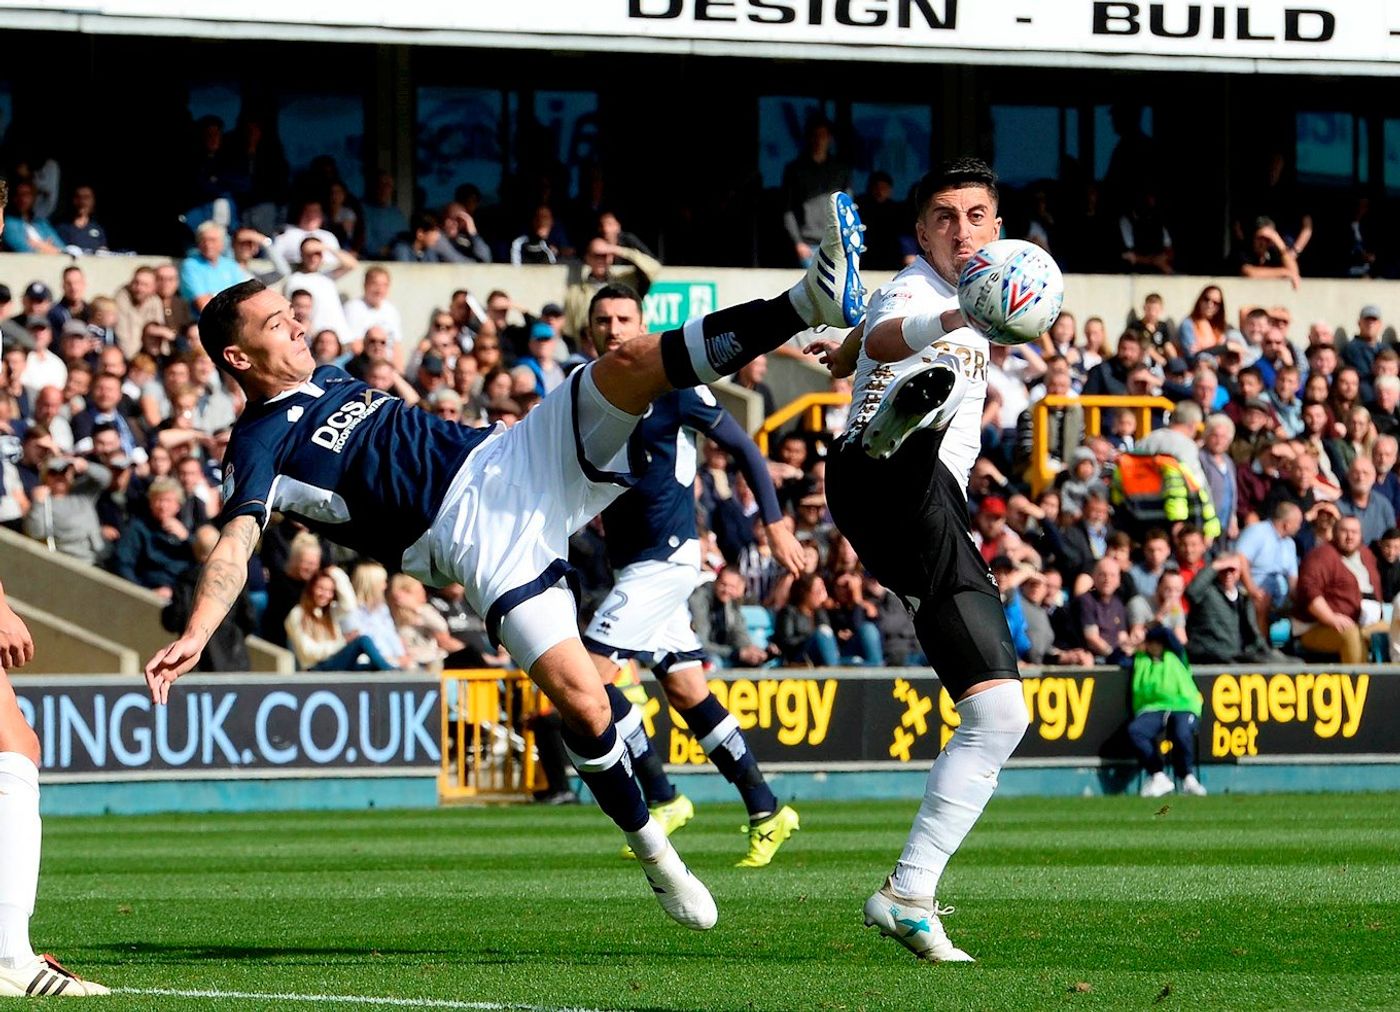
(486, 346)
(449, 325)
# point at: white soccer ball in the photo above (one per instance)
(1011, 291)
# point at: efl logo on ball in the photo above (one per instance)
(1011, 291)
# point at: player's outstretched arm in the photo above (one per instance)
(219, 586)
(896, 338)
(839, 357)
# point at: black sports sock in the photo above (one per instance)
(606, 767)
(646, 764)
(724, 743)
(720, 343)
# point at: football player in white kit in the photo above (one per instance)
(897, 488)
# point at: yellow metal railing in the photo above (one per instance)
(808, 405)
(1040, 474)
(488, 746)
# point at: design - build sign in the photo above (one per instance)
(217, 727)
(1272, 32)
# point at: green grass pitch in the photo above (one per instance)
(1253, 903)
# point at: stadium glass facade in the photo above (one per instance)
(680, 142)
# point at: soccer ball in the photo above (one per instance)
(1011, 291)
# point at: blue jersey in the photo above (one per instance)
(657, 515)
(352, 463)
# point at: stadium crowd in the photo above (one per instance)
(113, 424)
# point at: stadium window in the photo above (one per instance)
(893, 139)
(1028, 140)
(223, 99)
(458, 141)
(1333, 148)
(782, 122)
(314, 124)
(570, 120)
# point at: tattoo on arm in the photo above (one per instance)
(224, 574)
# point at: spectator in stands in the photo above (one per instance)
(1360, 352)
(1103, 618)
(605, 264)
(285, 584)
(1086, 540)
(1221, 626)
(1081, 480)
(137, 305)
(1156, 554)
(64, 508)
(1345, 394)
(1359, 438)
(155, 549)
(460, 235)
(27, 231)
(1146, 243)
(1166, 704)
(227, 649)
(1385, 408)
(896, 626)
(371, 616)
(1383, 455)
(42, 367)
(1190, 550)
(808, 180)
(420, 242)
(314, 277)
(211, 269)
(1374, 511)
(467, 627)
(853, 622)
(1010, 577)
(542, 362)
(382, 217)
(1064, 425)
(1283, 397)
(73, 304)
(201, 499)
(250, 245)
(1111, 376)
(313, 628)
(1387, 553)
(1271, 552)
(802, 630)
(752, 377)
(1159, 336)
(1268, 256)
(48, 412)
(887, 224)
(1336, 602)
(423, 631)
(537, 245)
(719, 622)
(310, 223)
(81, 231)
(1220, 472)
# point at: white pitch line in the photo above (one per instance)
(349, 999)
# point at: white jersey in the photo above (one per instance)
(919, 290)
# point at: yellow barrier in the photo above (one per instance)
(1039, 474)
(810, 404)
(488, 746)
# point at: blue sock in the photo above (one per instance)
(646, 764)
(606, 768)
(724, 743)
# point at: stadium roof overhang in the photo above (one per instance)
(1247, 36)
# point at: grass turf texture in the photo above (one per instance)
(1224, 902)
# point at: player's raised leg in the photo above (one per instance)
(830, 294)
(672, 809)
(22, 971)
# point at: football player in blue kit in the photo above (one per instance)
(654, 550)
(491, 509)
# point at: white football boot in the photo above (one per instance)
(683, 896)
(45, 977)
(831, 293)
(927, 397)
(914, 924)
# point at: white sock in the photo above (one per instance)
(19, 855)
(649, 841)
(959, 786)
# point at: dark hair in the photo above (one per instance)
(1155, 534)
(614, 291)
(424, 221)
(4, 193)
(1252, 370)
(221, 321)
(102, 427)
(955, 175)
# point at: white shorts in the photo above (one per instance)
(503, 528)
(647, 615)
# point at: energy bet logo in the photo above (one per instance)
(1325, 704)
(800, 708)
(1058, 707)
